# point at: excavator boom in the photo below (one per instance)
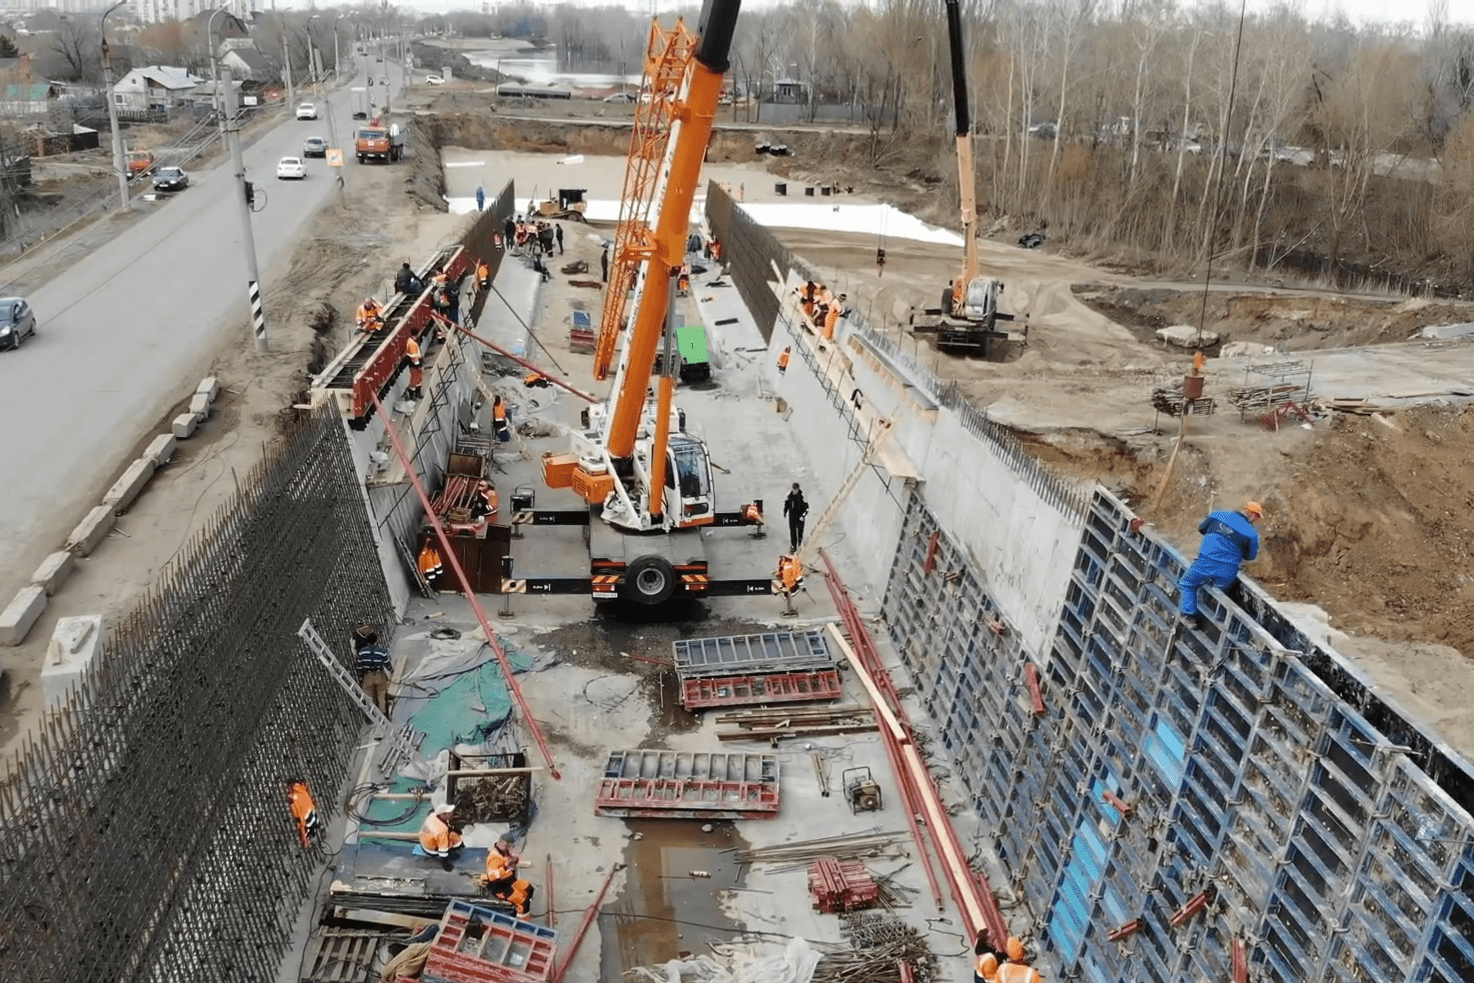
(965, 181)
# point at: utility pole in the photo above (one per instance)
(120, 166)
(248, 239)
(286, 62)
(215, 70)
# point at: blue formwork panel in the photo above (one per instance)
(1332, 849)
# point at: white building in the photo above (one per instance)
(154, 87)
(153, 11)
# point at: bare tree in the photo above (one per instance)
(78, 42)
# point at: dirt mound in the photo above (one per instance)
(1289, 322)
(1371, 519)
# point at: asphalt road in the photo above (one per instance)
(122, 334)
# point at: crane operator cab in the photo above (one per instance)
(977, 300)
(688, 474)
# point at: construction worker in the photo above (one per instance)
(518, 894)
(501, 866)
(304, 811)
(783, 358)
(1016, 969)
(790, 574)
(558, 235)
(985, 961)
(1229, 538)
(832, 315)
(480, 198)
(483, 274)
(604, 265)
(683, 280)
(483, 503)
(430, 566)
(373, 665)
(368, 310)
(436, 837)
(416, 369)
(509, 234)
(797, 510)
(406, 282)
(499, 420)
(716, 250)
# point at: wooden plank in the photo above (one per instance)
(370, 917)
(876, 699)
(782, 732)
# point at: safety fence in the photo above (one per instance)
(1183, 800)
(145, 833)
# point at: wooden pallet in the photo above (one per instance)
(343, 955)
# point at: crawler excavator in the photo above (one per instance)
(647, 481)
(968, 313)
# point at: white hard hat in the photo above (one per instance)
(445, 808)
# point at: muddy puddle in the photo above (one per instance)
(663, 910)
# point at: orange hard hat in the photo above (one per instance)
(987, 966)
(1254, 509)
(1015, 949)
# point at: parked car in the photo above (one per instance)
(620, 97)
(17, 321)
(307, 111)
(171, 179)
(434, 80)
(314, 147)
(291, 169)
(139, 161)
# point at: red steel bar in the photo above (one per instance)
(1031, 676)
(455, 565)
(552, 908)
(1240, 961)
(516, 358)
(1195, 904)
(1115, 802)
(583, 926)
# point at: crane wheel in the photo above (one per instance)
(650, 580)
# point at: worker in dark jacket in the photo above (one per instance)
(406, 282)
(1229, 538)
(372, 663)
(797, 510)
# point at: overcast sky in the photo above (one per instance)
(1358, 11)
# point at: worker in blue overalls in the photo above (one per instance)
(1229, 538)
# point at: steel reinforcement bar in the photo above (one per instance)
(144, 827)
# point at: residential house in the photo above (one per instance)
(19, 100)
(154, 88)
(246, 63)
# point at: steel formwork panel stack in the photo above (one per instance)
(657, 784)
(1245, 756)
(770, 667)
(504, 949)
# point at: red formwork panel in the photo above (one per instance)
(383, 363)
(787, 687)
(509, 950)
(675, 798)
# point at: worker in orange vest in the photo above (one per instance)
(783, 357)
(1016, 969)
(518, 894)
(416, 369)
(436, 837)
(499, 420)
(683, 281)
(501, 866)
(304, 811)
(369, 309)
(430, 566)
(484, 502)
(790, 574)
(483, 274)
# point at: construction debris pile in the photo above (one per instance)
(874, 843)
(777, 723)
(493, 799)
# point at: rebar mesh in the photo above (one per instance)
(144, 827)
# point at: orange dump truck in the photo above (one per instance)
(381, 143)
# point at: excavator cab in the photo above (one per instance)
(688, 475)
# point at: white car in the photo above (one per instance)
(307, 111)
(291, 169)
(434, 80)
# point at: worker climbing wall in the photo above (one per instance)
(1167, 799)
(146, 834)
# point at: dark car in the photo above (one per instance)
(314, 147)
(17, 321)
(171, 179)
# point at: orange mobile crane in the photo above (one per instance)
(646, 480)
(969, 307)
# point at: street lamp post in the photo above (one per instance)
(215, 69)
(336, 70)
(253, 275)
(119, 164)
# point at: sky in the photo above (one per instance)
(1358, 11)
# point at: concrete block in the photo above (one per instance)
(127, 488)
(1447, 331)
(53, 571)
(185, 425)
(161, 450)
(16, 620)
(199, 404)
(73, 652)
(89, 531)
(209, 387)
